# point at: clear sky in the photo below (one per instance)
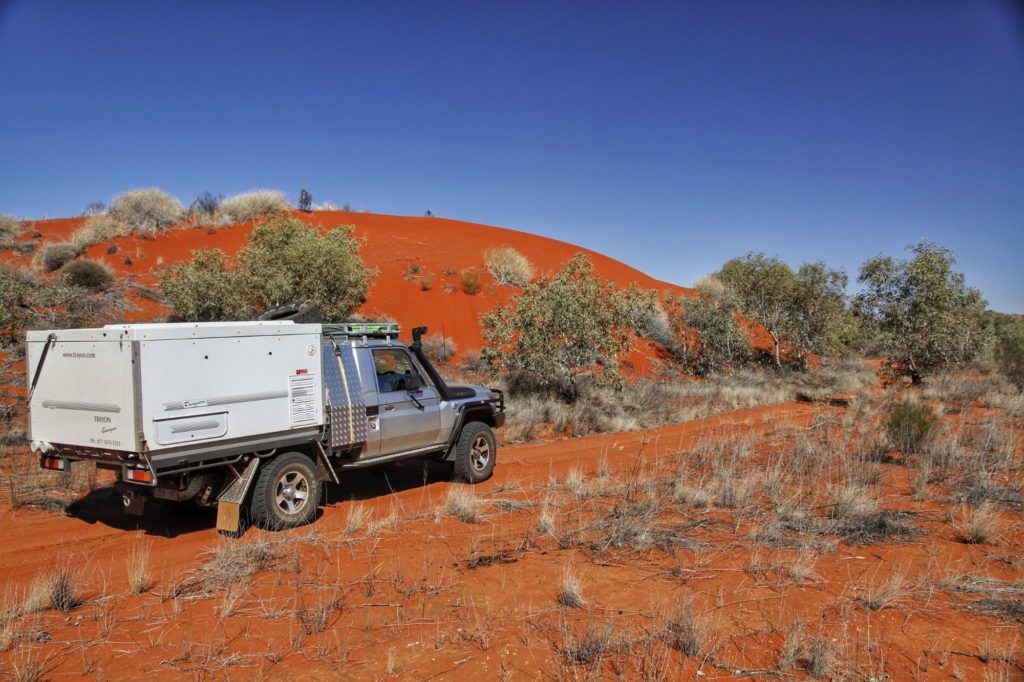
(671, 136)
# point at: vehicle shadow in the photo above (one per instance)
(364, 484)
(161, 518)
(172, 519)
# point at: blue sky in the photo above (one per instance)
(671, 136)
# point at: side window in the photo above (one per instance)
(395, 370)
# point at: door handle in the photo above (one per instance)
(389, 408)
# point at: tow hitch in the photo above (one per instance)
(134, 502)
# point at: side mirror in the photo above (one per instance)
(415, 383)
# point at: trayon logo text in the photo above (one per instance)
(102, 420)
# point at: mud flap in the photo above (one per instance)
(229, 502)
(327, 472)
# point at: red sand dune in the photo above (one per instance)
(407, 251)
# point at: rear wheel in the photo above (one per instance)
(286, 493)
(475, 452)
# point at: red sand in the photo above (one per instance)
(407, 251)
(407, 599)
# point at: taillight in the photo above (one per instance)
(139, 475)
(54, 463)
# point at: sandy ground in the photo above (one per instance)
(387, 584)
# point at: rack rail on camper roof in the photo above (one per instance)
(370, 330)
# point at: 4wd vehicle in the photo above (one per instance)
(249, 413)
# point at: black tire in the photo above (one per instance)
(286, 493)
(475, 453)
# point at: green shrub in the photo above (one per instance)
(926, 316)
(472, 281)
(284, 261)
(508, 266)
(87, 274)
(1009, 347)
(53, 256)
(910, 426)
(288, 260)
(561, 328)
(10, 226)
(98, 228)
(708, 337)
(255, 204)
(147, 209)
(29, 304)
(14, 288)
(204, 289)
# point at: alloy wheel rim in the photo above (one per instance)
(481, 453)
(292, 492)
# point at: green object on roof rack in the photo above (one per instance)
(375, 329)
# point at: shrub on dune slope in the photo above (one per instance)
(10, 226)
(284, 260)
(99, 227)
(146, 209)
(288, 260)
(204, 289)
(255, 204)
(87, 274)
(508, 266)
(53, 256)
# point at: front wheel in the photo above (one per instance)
(475, 453)
(286, 493)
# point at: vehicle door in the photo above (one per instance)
(410, 411)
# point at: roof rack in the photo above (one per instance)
(374, 330)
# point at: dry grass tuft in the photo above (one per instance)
(570, 594)
(228, 564)
(697, 495)
(792, 647)
(546, 519)
(980, 527)
(589, 647)
(801, 568)
(687, 631)
(574, 482)
(57, 590)
(821, 656)
(851, 501)
(355, 520)
(462, 503)
(887, 593)
(140, 578)
(10, 611)
(315, 619)
(26, 666)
